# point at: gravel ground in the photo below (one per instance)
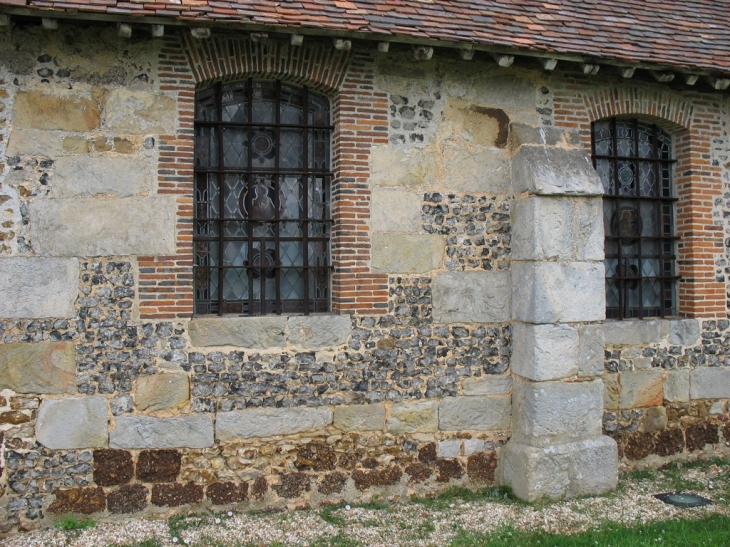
(411, 524)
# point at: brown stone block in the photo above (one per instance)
(668, 442)
(369, 463)
(79, 500)
(376, 477)
(347, 460)
(158, 465)
(637, 446)
(39, 110)
(332, 483)
(223, 493)
(447, 470)
(174, 495)
(427, 453)
(128, 499)
(699, 435)
(293, 485)
(14, 417)
(480, 467)
(260, 487)
(419, 472)
(112, 467)
(316, 457)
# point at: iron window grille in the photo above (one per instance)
(634, 161)
(262, 199)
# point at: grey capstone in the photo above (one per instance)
(268, 422)
(548, 170)
(472, 297)
(36, 288)
(75, 422)
(193, 431)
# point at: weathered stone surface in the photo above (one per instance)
(709, 383)
(486, 170)
(38, 110)
(594, 467)
(332, 483)
(267, 422)
(43, 367)
(32, 142)
(395, 167)
(676, 386)
(91, 226)
(418, 472)
(293, 485)
(448, 449)
(414, 418)
(472, 446)
(36, 288)
(175, 495)
(591, 346)
(611, 389)
(376, 477)
(487, 385)
(14, 417)
(554, 171)
(316, 456)
(407, 253)
(544, 352)
(112, 467)
(549, 228)
(194, 431)
(635, 332)
(654, 419)
(75, 422)
(447, 469)
(641, 388)
(318, 331)
(243, 332)
(78, 176)
(481, 467)
(699, 435)
(129, 112)
(360, 417)
(684, 332)
(161, 391)
(79, 500)
(552, 292)
(158, 465)
(718, 407)
(472, 297)
(128, 499)
(482, 413)
(669, 442)
(549, 413)
(224, 493)
(521, 133)
(394, 210)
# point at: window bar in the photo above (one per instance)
(660, 219)
(620, 283)
(305, 203)
(276, 180)
(221, 198)
(249, 186)
(637, 205)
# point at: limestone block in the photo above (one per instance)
(243, 332)
(548, 413)
(635, 332)
(555, 228)
(32, 142)
(318, 331)
(130, 112)
(684, 332)
(43, 367)
(407, 253)
(472, 446)
(590, 350)
(360, 417)
(192, 431)
(268, 422)
(709, 383)
(39, 110)
(161, 391)
(36, 288)
(549, 170)
(472, 297)
(394, 210)
(594, 467)
(676, 386)
(75, 422)
(611, 389)
(556, 292)
(487, 385)
(482, 413)
(544, 352)
(486, 170)
(89, 175)
(521, 133)
(414, 418)
(448, 449)
(393, 167)
(641, 388)
(103, 226)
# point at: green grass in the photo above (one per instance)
(72, 523)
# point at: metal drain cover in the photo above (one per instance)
(680, 499)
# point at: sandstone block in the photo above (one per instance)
(38, 110)
(360, 417)
(42, 367)
(78, 176)
(37, 288)
(318, 331)
(487, 385)
(549, 413)
(130, 112)
(635, 332)
(676, 386)
(75, 422)
(684, 332)
(193, 431)
(641, 388)
(414, 418)
(161, 391)
(482, 413)
(268, 422)
(407, 253)
(547, 170)
(709, 383)
(544, 352)
(394, 210)
(91, 226)
(590, 350)
(472, 297)
(31, 142)
(244, 332)
(554, 292)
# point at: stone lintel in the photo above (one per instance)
(191, 431)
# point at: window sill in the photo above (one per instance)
(678, 331)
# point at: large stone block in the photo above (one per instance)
(43, 367)
(591, 350)
(709, 383)
(268, 422)
(684, 332)
(486, 170)
(407, 253)
(193, 431)
(37, 288)
(487, 385)
(556, 292)
(32, 142)
(472, 297)
(130, 112)
(397, 167)
(676, 386)
(521, 133)
(394, 210)
(77, 422)
(544, 352)
(90, 175)
(548, 413)
(360, 417)
(318, 331)
(549, 170)
(642, 388)
(39, 110)
(482, 413)
(635, 332)
(92, 226)
(244, 332)
(414, 418)
(161, 391)
(556, 228)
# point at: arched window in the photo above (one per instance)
(262, 199)
(634, 161)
